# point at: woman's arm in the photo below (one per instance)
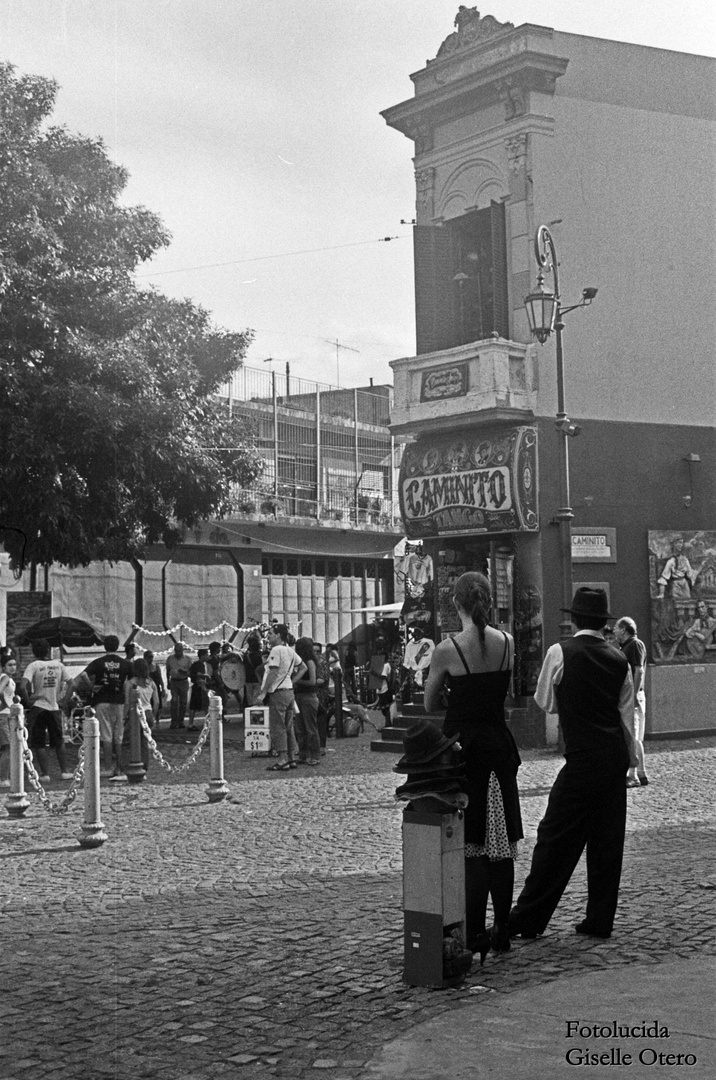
(436, 678)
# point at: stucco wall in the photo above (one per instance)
(634, 191)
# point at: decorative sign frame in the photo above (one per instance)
(474, 481)
(449, 381)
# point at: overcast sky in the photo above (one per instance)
(252, 128)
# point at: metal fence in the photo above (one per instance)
(327, 452)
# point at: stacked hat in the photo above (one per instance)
(436, 775)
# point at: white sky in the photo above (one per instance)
(252, 129)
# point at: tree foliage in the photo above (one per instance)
(109, 427)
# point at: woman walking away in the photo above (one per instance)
(304, 688)
(476, 664)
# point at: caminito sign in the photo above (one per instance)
(470, 482)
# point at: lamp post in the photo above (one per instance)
(545, 314)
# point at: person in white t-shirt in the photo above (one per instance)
(47, 681)
(281, 670)
(416, 662)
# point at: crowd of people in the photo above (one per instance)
(301, 696)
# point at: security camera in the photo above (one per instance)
(567, 427)
(589, 294)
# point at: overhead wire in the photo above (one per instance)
(266, 258)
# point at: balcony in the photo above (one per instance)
(481, 382)
(329, 457)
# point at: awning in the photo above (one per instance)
(381, 609)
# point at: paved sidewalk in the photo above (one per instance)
(262, 936)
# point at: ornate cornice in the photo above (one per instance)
(470, 30)
(507, 75)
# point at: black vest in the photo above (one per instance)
(588, 695)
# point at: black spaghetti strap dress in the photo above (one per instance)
(476, 709)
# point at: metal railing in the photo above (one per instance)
(328, 453)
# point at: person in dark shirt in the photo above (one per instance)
(588, 683)
(635, 652)
(199, 673)
(108, 675)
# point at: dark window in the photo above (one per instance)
(320, 568)
(333, 569)
(264, 566)
(292, 567)
(346, 569)
(461, 280)
(277, 567)
(306, 568)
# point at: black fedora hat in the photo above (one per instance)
(423, 742)
(431, 768)
(590, 603)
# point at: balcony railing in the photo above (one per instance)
(329, 455)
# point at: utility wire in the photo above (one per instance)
(265, 258)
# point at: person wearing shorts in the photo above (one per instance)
(108, 675)
(47, 680)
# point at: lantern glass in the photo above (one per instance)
(541, 313)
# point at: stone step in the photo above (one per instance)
(391, 739)
(388, 746)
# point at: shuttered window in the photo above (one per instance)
(461, 280)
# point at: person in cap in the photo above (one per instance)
(476, 664)
(588, 684)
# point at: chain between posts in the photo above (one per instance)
(33, 776)
(159, 757)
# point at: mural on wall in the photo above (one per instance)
(682, 578)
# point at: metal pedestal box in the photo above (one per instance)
(433, 892)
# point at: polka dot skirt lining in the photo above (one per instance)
(497, 845)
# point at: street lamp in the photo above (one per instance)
(545, 314)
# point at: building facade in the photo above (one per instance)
(611, 146)
(310, 543)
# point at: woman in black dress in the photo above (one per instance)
(476, 665)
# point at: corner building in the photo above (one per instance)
(611, 146)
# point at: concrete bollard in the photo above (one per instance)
(91, 832)
(17, 801)
(433, 893)
(218, 789)
(134, 770)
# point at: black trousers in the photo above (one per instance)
(586, 808)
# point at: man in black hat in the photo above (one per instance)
(589, 684)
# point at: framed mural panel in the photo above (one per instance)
(682, 579)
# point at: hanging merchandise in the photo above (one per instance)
(418, 607)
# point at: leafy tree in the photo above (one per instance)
(111, 437)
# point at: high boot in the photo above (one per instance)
(477, 887)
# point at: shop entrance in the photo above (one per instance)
(493, 557)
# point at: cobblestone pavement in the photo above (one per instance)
(263, 935)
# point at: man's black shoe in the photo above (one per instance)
(514, 930)
(592, 931)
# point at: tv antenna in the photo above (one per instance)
(338, 346)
